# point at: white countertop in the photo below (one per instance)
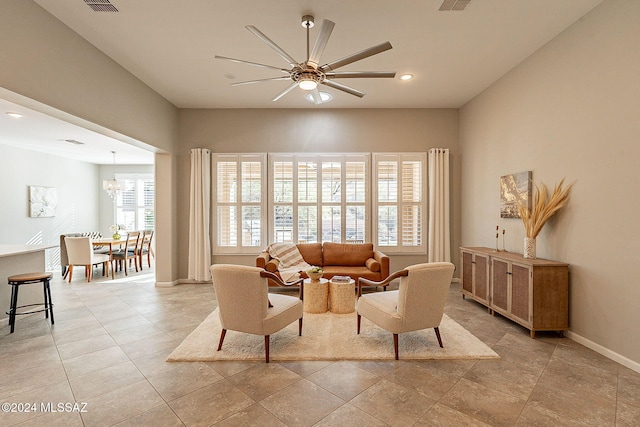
(11, 250)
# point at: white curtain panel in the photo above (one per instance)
(439, 228)
(199, 215)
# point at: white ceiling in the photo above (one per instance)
(170, 46)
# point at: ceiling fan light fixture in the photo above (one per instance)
(308, 82)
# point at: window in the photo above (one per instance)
(239, 201)
(318, 198)
(309, 198)
(400, 202)
(134, 204)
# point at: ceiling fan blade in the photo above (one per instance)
(255, 64)
(266, 40)
(321, 43)
(356, 57)
(286, 91)
(315, 95)
(261, 80)
(359, 74)
(343, 88)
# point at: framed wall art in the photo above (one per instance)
(42, 201)
(515, 187)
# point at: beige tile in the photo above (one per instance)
(126, 323)
(211, 404)
(629, 386)
(121, 404)
(150, 345)
(87, 345)
(443, 416)
(28, 345)
(137, 333)
(432, 383)
(52, 393)
(488, 405)
(21, 361)
(39, 376)
(262, 380)
(254, 415)
(349, 415)
(305, 368)
(55, 419)
(628, 414)
(174, 380)
(227, 368)
(105, 380)
(301, 404)
(91, 362)
(160, 416)
(569, 403)
(344, 379)
(79, 332)
(392, 403)
(508, 377)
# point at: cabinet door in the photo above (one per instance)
(521, 297)
(500, 285)
(481, 277)
(467, 272)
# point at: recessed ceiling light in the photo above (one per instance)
(324, 96)
(406, 76)
(15, 115)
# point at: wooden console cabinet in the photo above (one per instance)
(531, 292)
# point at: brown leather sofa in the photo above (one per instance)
(337, 259)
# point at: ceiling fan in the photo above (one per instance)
(309, 74)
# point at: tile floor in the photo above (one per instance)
(107, 348)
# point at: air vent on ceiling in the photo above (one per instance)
(101, 5)
(448, 5)
(73, 141)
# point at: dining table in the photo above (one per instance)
(111, 242)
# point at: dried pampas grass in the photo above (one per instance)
(543, 208)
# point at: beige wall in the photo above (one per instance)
(570, 110)
(318, 130)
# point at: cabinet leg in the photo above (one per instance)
(532, 333)
(463, 296)
(561, 334)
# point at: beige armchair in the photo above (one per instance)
(245, 305)
(80, 252)
(417, 304)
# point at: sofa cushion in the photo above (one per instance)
(272, 265)
(373, 265)
(347, 254)
(312, 253)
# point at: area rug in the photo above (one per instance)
(330, 336)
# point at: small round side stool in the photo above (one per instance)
(25, 279)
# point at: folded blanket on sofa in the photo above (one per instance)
(290, 260)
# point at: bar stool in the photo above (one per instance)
(24, 279)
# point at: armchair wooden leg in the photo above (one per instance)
(395, 344)
(300, 327)
(438, 335)
(266, 348)
(222, 334)
(70, 273)
(359, 317)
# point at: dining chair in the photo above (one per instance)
(80, 252)
(128, 253)
(417, 304)
(145, 247)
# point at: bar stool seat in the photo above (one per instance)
(24, 279)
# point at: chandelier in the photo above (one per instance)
(112, 186)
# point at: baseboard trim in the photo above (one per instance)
(455, 280)
(167, 284)
(194, 282)
(616, 357)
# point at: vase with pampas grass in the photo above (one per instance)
(544, 207)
